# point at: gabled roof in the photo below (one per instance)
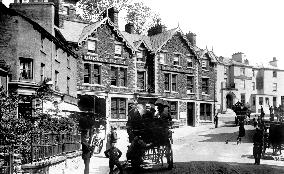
(138, 39)
(89, 29)
(72, 30)
(211, 55)
(159, 40)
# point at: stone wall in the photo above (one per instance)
(68, 163)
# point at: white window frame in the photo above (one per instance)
(26, 65)
(274, 87)
(242, 71)
(176, 60)
(204, 64)
(189, 61)
(118, 50)
(187, 89)
(162, 58)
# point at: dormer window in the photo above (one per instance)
(163, 57)
(204, 64)
(118, 50)
(176, 60)
(141, 55)
(189, 62)
(92, 46)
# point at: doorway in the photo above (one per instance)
(229, 101)
(190, 113)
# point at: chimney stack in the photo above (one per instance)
(238, 57)
(157, 29)
(273, 62)
(192, 38)
(112, 13)
(129, 28)
(44, 13)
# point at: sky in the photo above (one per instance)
(253, 27)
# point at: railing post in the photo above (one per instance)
(32, 153)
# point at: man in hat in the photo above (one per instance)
(257, 145)
(87, 149)
(114, 154)
(163, 110)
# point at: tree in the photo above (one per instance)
(137, 13)
(142, 17)
(93, 9)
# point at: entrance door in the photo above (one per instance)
(190, 113)
(229, 102)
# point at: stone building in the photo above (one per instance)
(256, 86)
(35, 50)
(117, 67)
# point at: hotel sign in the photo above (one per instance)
(96, 58)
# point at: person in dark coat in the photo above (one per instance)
(216, 120)
(257, 145)
(242, 132)
(114, 154)
(87, 150)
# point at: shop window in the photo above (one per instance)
(174, 109)
(118, 108)
(260, 101)
(205, 112)
(87, 73)
(243, 98)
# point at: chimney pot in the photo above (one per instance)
(129, 28)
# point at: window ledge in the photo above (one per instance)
(188, 92)
(178, 66)
(118, 119)
(124, 87)
(118, 57)
(205, 94)
(140, 62)
(92, 54)
(90, 84)
(206, 70)
(167, 91)
(174, 92)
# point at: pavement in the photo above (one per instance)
(99, 163)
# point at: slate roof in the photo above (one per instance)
(137, 39)
(159, 40)
(72, 30)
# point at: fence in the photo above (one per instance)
(41, 146)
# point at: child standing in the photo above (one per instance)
(114, 154)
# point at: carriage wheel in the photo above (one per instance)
(170, 157)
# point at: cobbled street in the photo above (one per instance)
(206, 151)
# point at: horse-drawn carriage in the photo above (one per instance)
(273, 133)
(150, 136)
(242, 113)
